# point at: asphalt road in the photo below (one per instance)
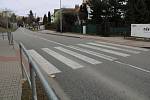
(87, 70)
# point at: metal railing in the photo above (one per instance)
(9, 36)
(3, 35)
(34, 70)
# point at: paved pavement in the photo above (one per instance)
(10, 73)
(87, 69)
(131, 41)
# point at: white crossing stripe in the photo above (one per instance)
(79, 56)
(130, 47)
(68, 62)
(45, 65)
(115, 48)
(93, 53)
(135, 67)
(105, 50)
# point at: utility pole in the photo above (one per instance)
(61, 23)
(83, 22)
(35, 15)
(84, 7)
(7, 12)
(6, 16)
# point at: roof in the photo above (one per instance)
(68, 10)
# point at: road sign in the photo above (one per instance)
(140, 30)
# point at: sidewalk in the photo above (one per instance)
(10, 72)
(119, 40)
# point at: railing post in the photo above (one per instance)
(8, 37)
(33, 84)
(12, 41)
(34, 70)
(20, 49)
(3, 35)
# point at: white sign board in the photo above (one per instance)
(140, 30)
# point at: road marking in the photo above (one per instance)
(142, 49)
(68, 62)
(132, 66)
(105, 50)
(79, 56)
(115, 48)
(46, 66)
(136, 48)
(44, 39)
(93, 53)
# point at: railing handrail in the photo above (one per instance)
(3, 35)
(34, 67)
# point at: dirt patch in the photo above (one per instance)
(27, 92)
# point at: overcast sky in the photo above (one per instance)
(40, 7)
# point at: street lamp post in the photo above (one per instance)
(6, 12)
(61, 24)
(6, 16)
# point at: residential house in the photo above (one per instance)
(69, 17)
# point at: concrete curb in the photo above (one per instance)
(127, 44)
(61, 34)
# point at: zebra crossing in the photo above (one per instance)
(106, 57)
(115, 48)
(79, 56)
(76, 51)
(65, 60)
(105, 50)
(48, 67)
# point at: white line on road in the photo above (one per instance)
(93, 53)
(132, 66)
(79, 56)
(46, 66)
(142, 49)
(68, 62)
(136, 48)
(105, 50)
(45, 39)
(115, 48)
